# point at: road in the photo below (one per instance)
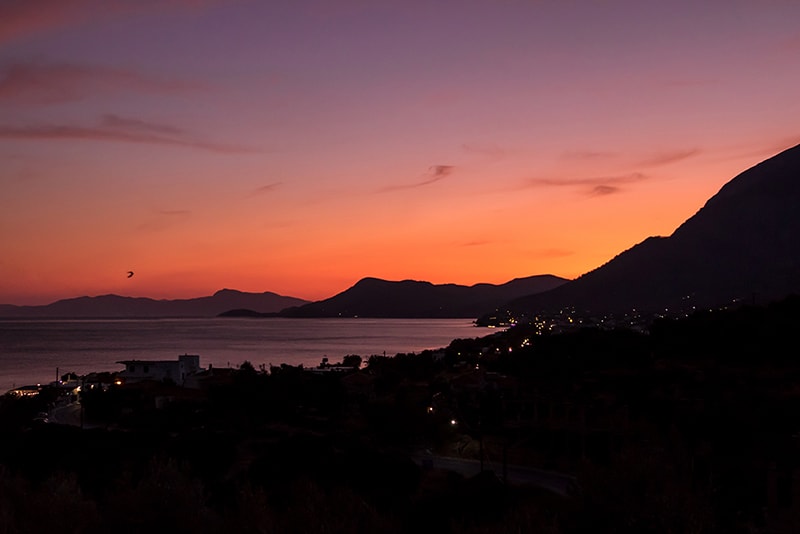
(69, 414)
(560, 483)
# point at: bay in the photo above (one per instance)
(37, 351)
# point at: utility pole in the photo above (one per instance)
(480, 444)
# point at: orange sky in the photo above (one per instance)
(297, 147)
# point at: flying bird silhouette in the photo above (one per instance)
(130, 273)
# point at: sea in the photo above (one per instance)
(39, 351)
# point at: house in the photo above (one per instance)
(210, 378)
(26, 391)
(102, 380)
(174, 371)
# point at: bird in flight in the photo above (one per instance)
(130, 273)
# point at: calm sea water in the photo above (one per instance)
(33, 351)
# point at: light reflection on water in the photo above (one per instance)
(32, 351)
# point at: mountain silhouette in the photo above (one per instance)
(373, 297)
(115, 306)
(742, 246)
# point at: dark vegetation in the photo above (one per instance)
(688, 428)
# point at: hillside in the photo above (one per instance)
(115, 306)
(741, 246)
(372, 297)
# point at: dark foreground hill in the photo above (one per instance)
(743, 245)
(114, 306)
(372, 297)
(691, 427)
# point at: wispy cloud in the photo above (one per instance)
(597, 186)
(601, 190)
(665, 158)
(588, 155)
(435, 173)
(593, 181)
(760, 150)
(264, 189)
(491, 150)
(438, 172)
(20, 18)
(163, 219)
(784, 143)
(652, 160)
(38, 83)
(117, 129)
(477, 243)
(23, 18)
(764, 149)
(115, 122)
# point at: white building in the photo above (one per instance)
(160, 370)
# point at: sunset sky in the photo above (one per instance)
(298, 146)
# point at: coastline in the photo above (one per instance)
(38, 351)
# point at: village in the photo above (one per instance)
(572, 428)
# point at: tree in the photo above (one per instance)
(352, 360)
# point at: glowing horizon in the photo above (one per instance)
(299, 147)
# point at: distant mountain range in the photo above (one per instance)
(369, 297)
(372, 297)
(115, 306)
(743, 245)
